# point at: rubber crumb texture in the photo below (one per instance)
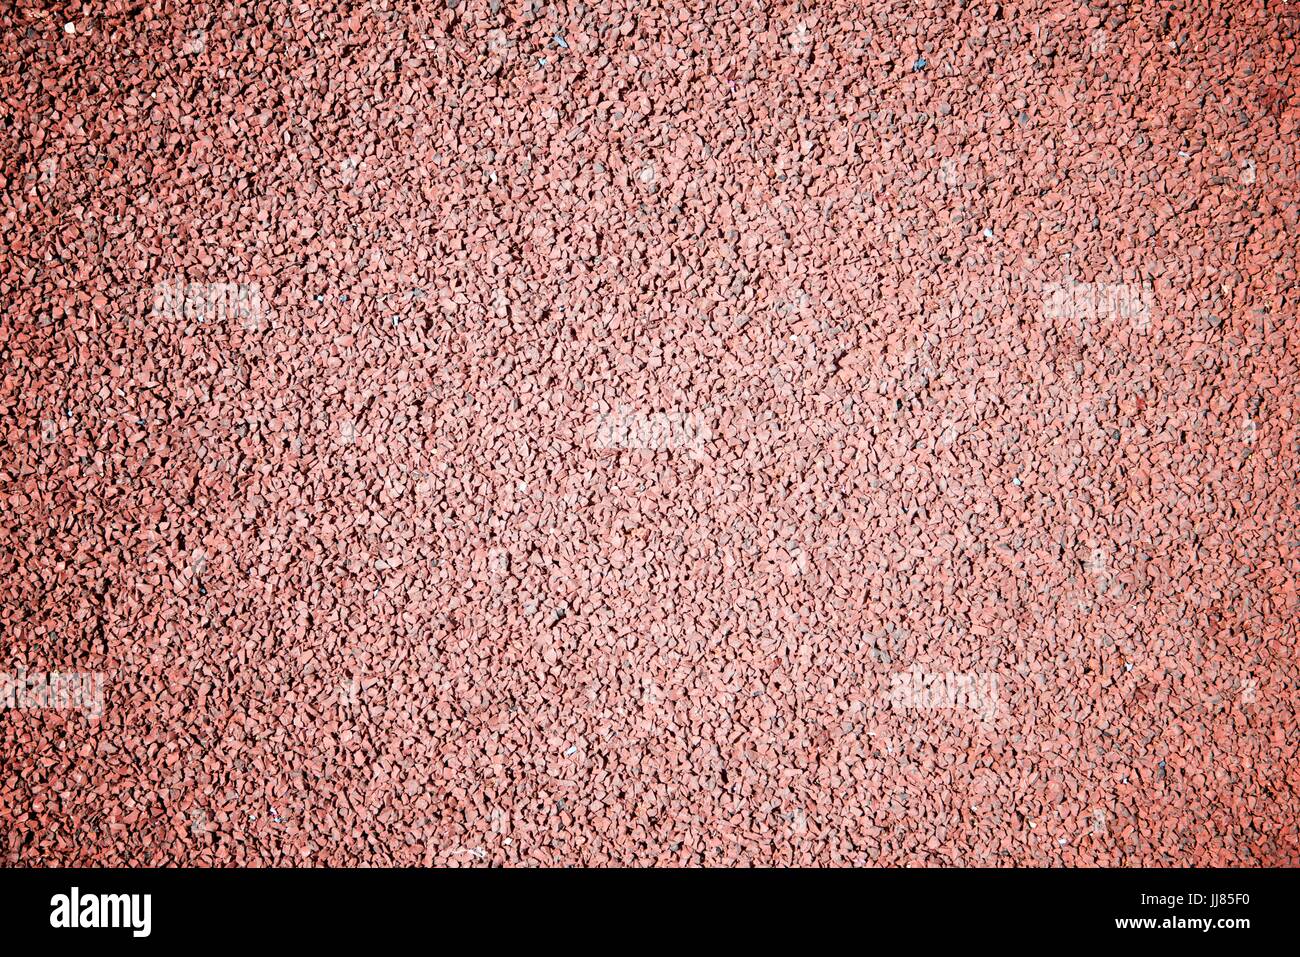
(646, 435)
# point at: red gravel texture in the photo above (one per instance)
(504, 433)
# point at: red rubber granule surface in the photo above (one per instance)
(738, 433)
